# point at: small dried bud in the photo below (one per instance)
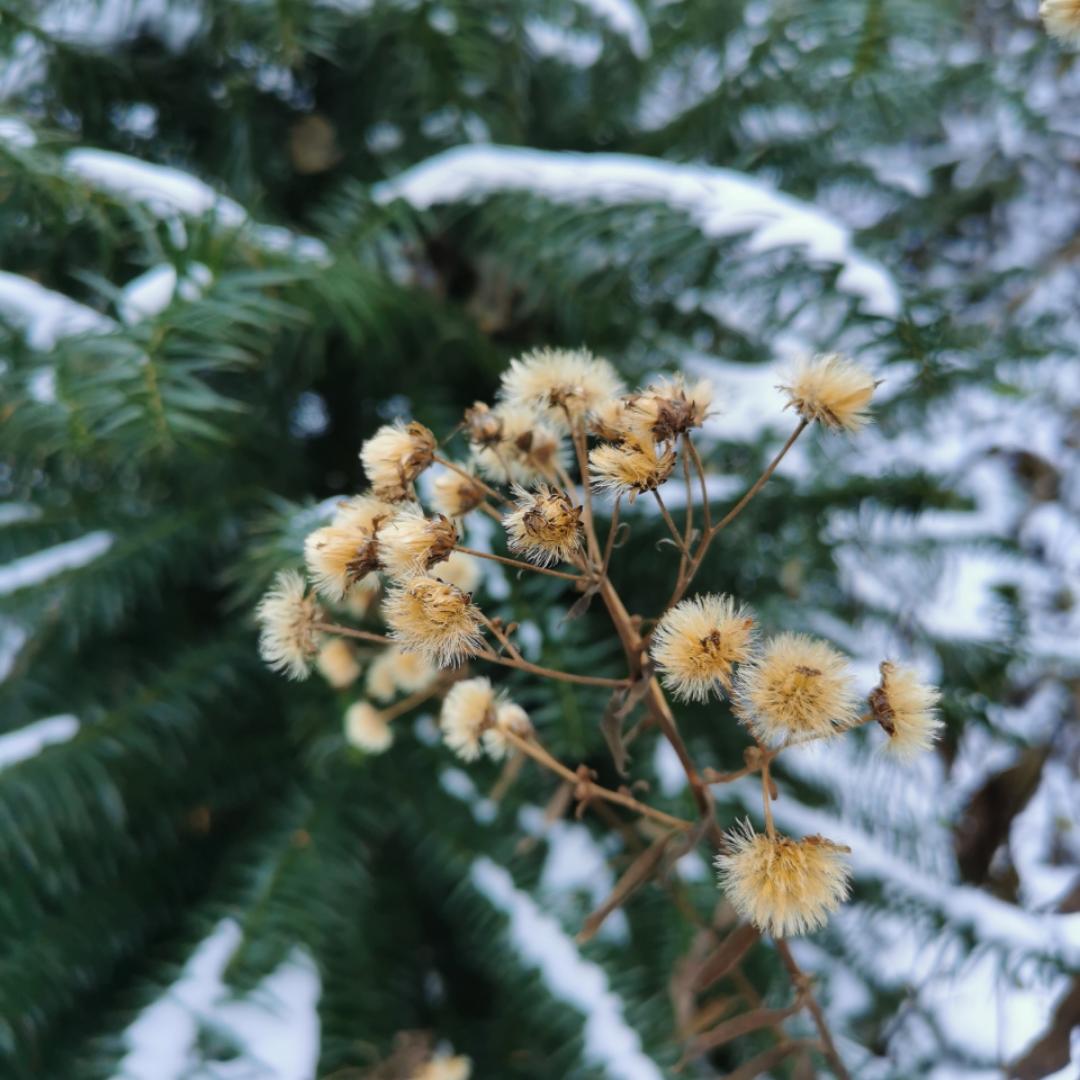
(434, 619)
(508, 717)
(527, 450)
(367, 728)
(343, 553)
(783, 886)
(456, 1067)
(831, 389)
(396, 671)
(568, 384)
(395, 456)
(455, 495)
(483, 425)
(545, 527)
(905, 708)
(287, 616)
(631, 467)
(469, 709)
(1061, 19)
(669, 409)
(697, 644)
(798, 688)
(613, 421)
(337, 664)
(411, 543)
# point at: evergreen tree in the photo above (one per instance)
(236, 238)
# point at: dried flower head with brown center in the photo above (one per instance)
(1061, 19)
(456, 495)
(697, 644)
(796, 688)
(783, 886)
(631, 467)
(831, 389)
(343, 553)
(367, 728)
(545, 526)
(669, 408)
(288, 640)
(613, 420)
(412, 543)
(468, 710)
(528, 449)
(483, 424)
(568, 384)
(435, 619)
(906, 709)
(395, 456)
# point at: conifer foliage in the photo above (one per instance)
(274, 277)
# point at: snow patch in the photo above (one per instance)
(44, 316)
(29, 741)
(49, 562)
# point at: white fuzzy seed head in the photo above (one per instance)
(288, 640)
(544, 526)
(1062, 20)
(336, 663)
(395, 456)
(468, 710)
(511, 717)
(435, 619)
(367, 728)
(831, 389)
(568, 384)
(906, 709)
(412, 543)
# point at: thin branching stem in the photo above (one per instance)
(517, 564)
(549, 673)
(672, 527)
(490, 491)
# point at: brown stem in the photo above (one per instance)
(418, 697)
(766, 801)
(672, 527)
(487, 508)
(577, 436)
(502, 637)
(349, 631)
(549, 673)
(802, 983)
(517, 564)
(447, 463)
(609, 544)
(689, 444)
(592, 790)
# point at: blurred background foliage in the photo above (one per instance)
(229, 249)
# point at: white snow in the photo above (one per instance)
(575, 48)
(625, 19)
(45, 316)
(152, 292)
(16, 133)
(27, 742)
(277, 1023)
(49, 562)
(609, 1041)
(722, 203)
(12, 639)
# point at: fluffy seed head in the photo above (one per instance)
(783, 886)
(367, 728)
(545, 527)
(698, 642)
(1062, 20)
(630, 467)
(457, 1067)
(526, 449)
(411, 543)
(832, 390)
(612, 420)
(568, 384)
(455, 495)
(461, 570)
(906, 709)
(483, 424)
(669, 408)
(396, 671)
(362, 596)
(468, 710)
(395, 456)
(434, 619)
(797, 687)
(509, 716)
(337, 664)
(342, 554)
(287, 616)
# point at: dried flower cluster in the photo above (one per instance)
(395, 553)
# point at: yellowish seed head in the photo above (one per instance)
(468, 710)
(367, 728)
(832, 390)
(697, 644)
(1062, 20)
(906, 709)
(670, 408)
(412, 543)
(287, 616)
(631, 467)
(456, 1067)
(568, 384)
(796, 688)
(545, 526)
(455, 495)
(396, 671)
(344, 553)
(783, 886)
(395, 456)
(336, 663)
(508, 717)
(527, 448)
(435, 619)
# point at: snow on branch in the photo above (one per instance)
(720, 202)
(49, 562)
(45, 316)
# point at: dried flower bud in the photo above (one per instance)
(287, 616)
(395, 456)
(831, 389)
(455, 495)
(798, 688)
(667, 409)
(905, 707)
(461, 570)
(456, 1067)
(343, 553)
(468, 710)
(411, 543)
(612, 420)
(483, 425)
(509, 716)
(697, 643)
(396, 671)
(630, 467)
(360, 599)
(367, 728)
(337, 664)
(568, 384)
(1061, 19)
(434, 619)
(545, 527)
(783, 886)
(528, 449)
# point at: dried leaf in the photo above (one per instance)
(619, 707)
(732, 949)
(581, 604)
(738, 1026)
